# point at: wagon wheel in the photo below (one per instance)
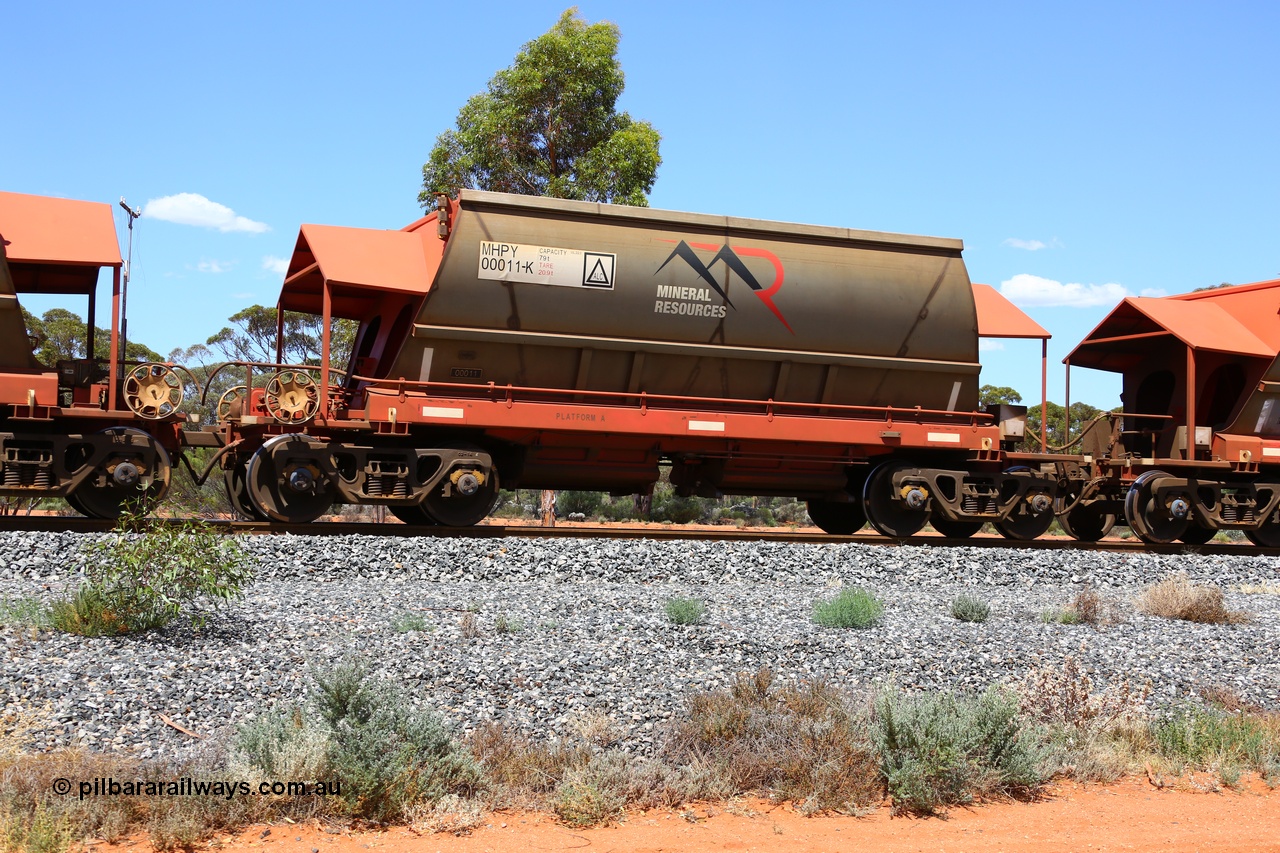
(955, 529)
(1268, 535)
(1151, 521)
(411, 514)
(471, 496)
(888, 516)
(234, 478)
(836, 517)
(152, 391)
(1027, 521)
(291, 397)
(1024, 523)
(229, 399)
(294, 491)
(123, 472)
(1196, 534)
(1087, 522)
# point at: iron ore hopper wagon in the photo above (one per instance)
(100, 432)
(526, 342)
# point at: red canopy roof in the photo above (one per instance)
(1000, 318)
(1201, 324)
(57, 245)
(357, 259)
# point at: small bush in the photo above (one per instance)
(1178, 598)
(409, 622)
(966, 608)
(582, 801)
(586, 503)
(1212, 739)
(503, 625)
(24, 611)
(685, 611)
(852, 608)
(386, 755)
(150, 573)
(939, 750)
(1087, 608)
(803, 742)
(43, 830)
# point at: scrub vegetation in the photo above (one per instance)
(810, 743)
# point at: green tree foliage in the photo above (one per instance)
(252, 337)
(989, 395)
(548, 126)
(1081, 413)
(62, 335)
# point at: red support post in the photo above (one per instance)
(1191, 404)
(1066, 412)
(1044, 394)
(112, 379)
(279, 333)
(327, 317)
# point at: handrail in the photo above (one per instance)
(644, 400)
(270, 365)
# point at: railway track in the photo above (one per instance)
(728, 534)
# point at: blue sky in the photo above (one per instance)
(1083, 152)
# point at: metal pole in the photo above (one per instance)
(124, 291)
(1066, 412)
(1044, 394)
(1191, 404)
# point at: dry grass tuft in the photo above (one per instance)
(452, 814)
(797, 742)
(1177, 598)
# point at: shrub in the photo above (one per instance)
(148, 574)
(1202, 738)
(586, 503)
(24, 611)
(940, 749)
(503, 625)
(386, 755)
(799, 742)
(1087, 608)
(966, 608)
(404, 623)
(852, 608)
(685, 611)
(678, 510)
(582, 801)
(1178, 598)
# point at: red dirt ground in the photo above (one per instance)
(1131, 815)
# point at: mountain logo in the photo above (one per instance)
(731, 257)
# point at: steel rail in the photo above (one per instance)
(75, 524)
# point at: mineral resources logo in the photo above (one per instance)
(696, 300)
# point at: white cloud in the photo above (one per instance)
(988, 345)
(1154, 292)
(195, 209)
(213, 266)
(1032, 245)
(1032, 291)
(271, 263)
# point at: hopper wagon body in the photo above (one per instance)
(516, 341)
